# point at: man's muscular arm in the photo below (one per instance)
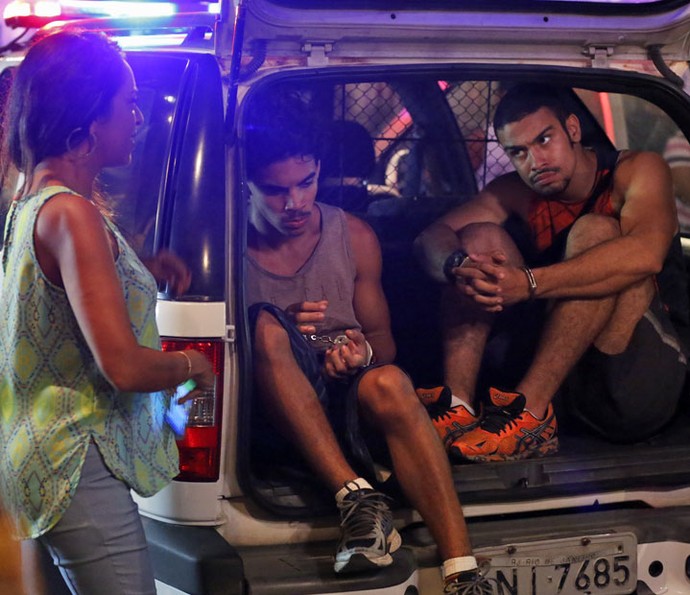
(369, 301)
(440, 239)
(648, 222)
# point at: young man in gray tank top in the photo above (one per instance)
(323, 349)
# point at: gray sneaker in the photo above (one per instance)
(470, 582)
(368, 535)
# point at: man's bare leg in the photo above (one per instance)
(574, 325)
(465, 333)
(290, 402)
(389, 404)
(466, 327)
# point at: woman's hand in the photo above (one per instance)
(201, 373)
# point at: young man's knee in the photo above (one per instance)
(386, 389)
(270, 336)
(590, 230)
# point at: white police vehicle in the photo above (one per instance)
(416, 82)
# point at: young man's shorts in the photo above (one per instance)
(630, 396)
(339, 399)
(625, 397)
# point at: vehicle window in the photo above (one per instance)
(134, 190)
(413, 147)
(634, 123)
(381, 111)
(162, 192)
(473, 104)
(401, 152)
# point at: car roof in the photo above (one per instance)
(452, 30)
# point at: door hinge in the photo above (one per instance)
(600, 55)
(230, 334)
(317, 53)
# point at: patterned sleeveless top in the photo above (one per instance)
(329, 273)
(54, 399)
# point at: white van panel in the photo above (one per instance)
(667, 560)
(183, 502)
(191, 319)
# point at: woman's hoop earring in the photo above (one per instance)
(93, 141)
(70, 139)
(72, 142)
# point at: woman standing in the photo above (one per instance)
(81, 412)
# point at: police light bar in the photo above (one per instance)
(38, 13)
(117, 8)
(41, 10)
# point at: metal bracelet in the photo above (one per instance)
(532, 282)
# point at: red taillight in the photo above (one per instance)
(200, 447)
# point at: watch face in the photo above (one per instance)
(458, 258)
(453, 261)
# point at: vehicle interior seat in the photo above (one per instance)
(346, 164)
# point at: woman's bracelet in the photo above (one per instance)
(189, 364)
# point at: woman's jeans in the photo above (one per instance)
(99, 543)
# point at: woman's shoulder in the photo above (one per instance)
(46, 193)
(62, 210)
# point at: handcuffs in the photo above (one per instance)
(343, 340)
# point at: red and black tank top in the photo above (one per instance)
(550, 220)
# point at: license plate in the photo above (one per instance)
(590, 565)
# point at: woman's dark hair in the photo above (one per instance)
(280, 124)
(66, 81)
(527, 98)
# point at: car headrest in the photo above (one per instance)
(348, 151)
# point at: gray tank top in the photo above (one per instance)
(329, 273)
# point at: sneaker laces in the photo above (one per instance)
(438, 412)
(470, 582)
(497, 419)
(362, 512)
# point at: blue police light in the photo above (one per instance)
(37, 13)
(117, 8)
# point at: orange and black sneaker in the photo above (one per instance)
(450, 422)
(508, 432)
